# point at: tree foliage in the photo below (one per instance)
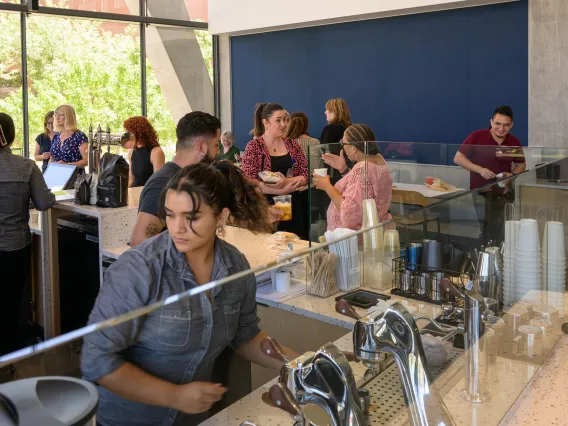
(81, 63)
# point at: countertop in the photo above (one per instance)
(99, 212)
(323, 309)
(545, 183)
(259, 249)
(424, 190)
(522, 392)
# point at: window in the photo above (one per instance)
(11, 74)
(93, 66)
(107, 6)
(179, 78)
(194, 10)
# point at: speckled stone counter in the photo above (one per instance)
(522, 391)
(114, 229)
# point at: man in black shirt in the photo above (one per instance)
(198, 135)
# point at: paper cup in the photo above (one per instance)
(528, 235)
(320, 172)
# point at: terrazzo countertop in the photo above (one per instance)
(323, 309)
(259, 249)
(95, 211)
(544, 400)
(522, 392)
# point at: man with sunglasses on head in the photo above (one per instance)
(488, 155)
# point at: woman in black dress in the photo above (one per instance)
(43, 141)
(145, 155)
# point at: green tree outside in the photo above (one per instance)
(78, 62)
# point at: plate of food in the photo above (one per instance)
(282, 237)
(270, 177)
(438, 184)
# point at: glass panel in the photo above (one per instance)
(497, 367)
(186, 10)
(97, 71)
(125, 7)
(10, 74)
(179, 78)
(11, 1)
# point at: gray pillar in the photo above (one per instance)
(225, 81)
(548, 73)
(184, 58)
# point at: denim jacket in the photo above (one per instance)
(178, 343)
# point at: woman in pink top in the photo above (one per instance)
(346, 207)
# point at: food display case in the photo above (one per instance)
(464, 330)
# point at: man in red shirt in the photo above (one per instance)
(487, 153)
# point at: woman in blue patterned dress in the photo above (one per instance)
(69, 145)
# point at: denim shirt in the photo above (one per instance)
(178, 343)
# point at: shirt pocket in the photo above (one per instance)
(232, 312)
(174, 327)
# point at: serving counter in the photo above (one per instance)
(522, 387)
(522, 391)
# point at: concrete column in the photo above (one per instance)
(548, 73)
(177, 61)
(225, 81)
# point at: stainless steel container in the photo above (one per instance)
(405, 280)
(434, 279)
(432, 255)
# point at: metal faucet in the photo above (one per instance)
(395, 332)
(323, 378)
(329, 378)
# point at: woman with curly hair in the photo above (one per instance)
(145, 155)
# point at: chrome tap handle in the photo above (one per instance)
(396, 333)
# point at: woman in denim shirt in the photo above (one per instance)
(156, 370)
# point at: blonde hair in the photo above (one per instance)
(70, 122)
(227, 134)
(340, 111)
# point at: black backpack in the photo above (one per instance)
(112, 187)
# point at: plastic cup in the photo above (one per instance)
(553, 246)
(528, 235)
(320, 172)
(284, 204)
(511, 232)
(392, 241)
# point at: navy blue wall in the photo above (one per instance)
(433, 77)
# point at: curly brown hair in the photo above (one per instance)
(142, 130)
(221, 185)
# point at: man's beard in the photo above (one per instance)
(208, 158)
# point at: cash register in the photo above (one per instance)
(60, 179)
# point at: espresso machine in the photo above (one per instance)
(97, 141)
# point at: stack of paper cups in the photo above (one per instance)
(511, 232)
(527, 259)
(554, 257)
